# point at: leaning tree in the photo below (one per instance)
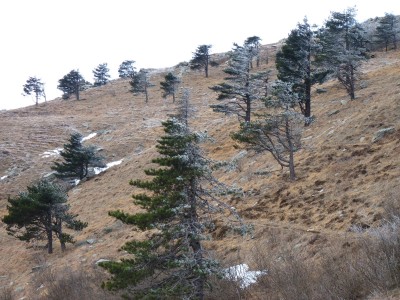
(242, 87)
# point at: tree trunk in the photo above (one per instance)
(352, 82)
(194, 240)
(60, 234)
(49, 233)
(291, 150)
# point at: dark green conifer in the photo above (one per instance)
(77, 159)
(39, 213)
(169, 85)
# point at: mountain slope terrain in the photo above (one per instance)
(346, 179)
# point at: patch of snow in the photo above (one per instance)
(109, 165)
(242, 274)
(50, 153)
(76, 181)
(92, 135)
(3, 177)
(49, 174)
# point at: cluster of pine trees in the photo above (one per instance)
(177, 202)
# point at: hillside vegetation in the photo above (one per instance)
(347, 183)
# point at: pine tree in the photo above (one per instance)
(242, 87)
(39, 213)
(342, 49)
(253, 45)
(386, 31)
(77, 159)
(295, 65)
(72, 83)
(278, 130)
(140, 82)
(101, 75)
(126, 69)
(169, 85)
(201, 58)
(34, 85)
(171, 263)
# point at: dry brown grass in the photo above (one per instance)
(342, 176)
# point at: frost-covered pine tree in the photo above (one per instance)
(34, 86)
(172, 262)
(342, 48)
(126, 69)
(140, 82)
(201, 58)
(387, 31)
(295, 65)
(242, 87)
(278, 130)
(101, 75)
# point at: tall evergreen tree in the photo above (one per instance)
(126, 69)
(201, 58)
(171, 263)
(41, 212)
(387, 30)
(295, 65)
(343, 48)
(101, 75)
(34, 86)
(72, 83)
(140, 82)
(77, 159)
(242, 87)
(169, 85)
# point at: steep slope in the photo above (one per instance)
(343, 177)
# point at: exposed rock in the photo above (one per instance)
(91, 241)
(343, 102)
(321, 91)
(380, 134)
(333, 112)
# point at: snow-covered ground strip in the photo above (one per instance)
(3, 177)
(50, 153)
(92, 135)
(109, 165)
(242, 274)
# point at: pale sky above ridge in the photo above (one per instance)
(49, 38)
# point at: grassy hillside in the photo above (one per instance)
(345, 181)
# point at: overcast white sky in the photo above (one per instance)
(49, 38)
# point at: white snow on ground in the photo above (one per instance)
(109, 165)
(50, 153)
(92, 135)
(242, 274)
(3, 177)
(76, 181)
